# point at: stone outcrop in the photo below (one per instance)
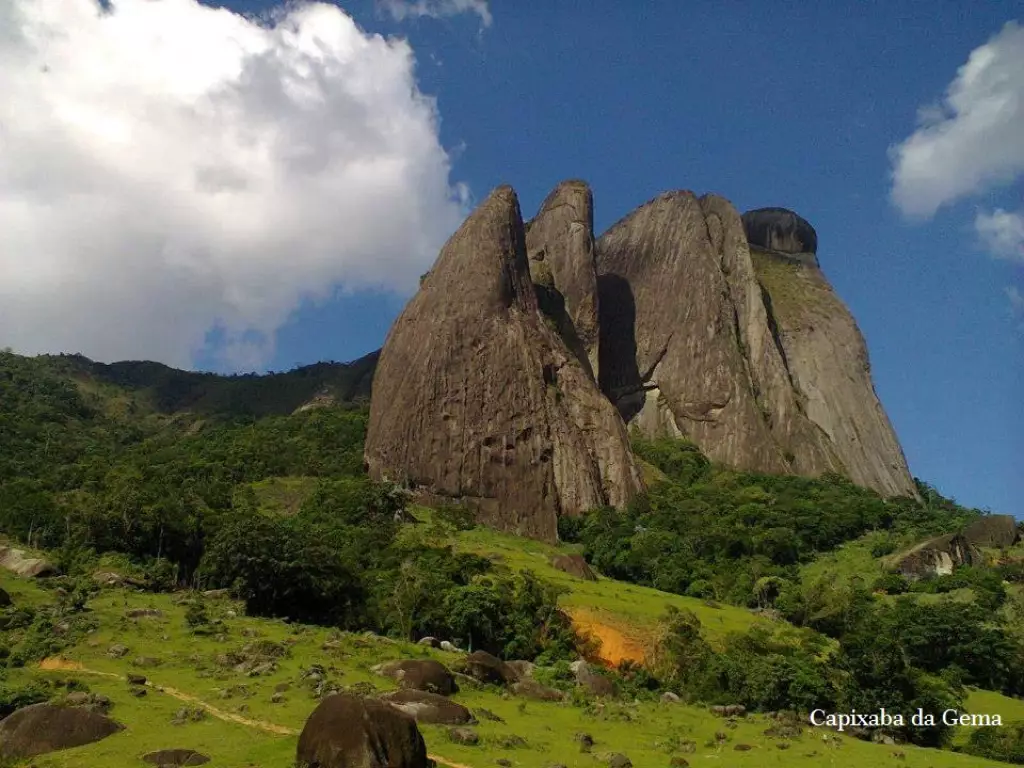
(997, 531)
(39, 729)
(574, 565)
(939, 556)
(428, 708)
(477, 397)
(780, 230)
(16, 561)
(420, 675)
(345, 731)
(560, 247)
(687, 346)
(827, 360)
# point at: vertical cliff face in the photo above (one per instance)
(477, 397)
(687, 348)
(825, 353)
(560, 247)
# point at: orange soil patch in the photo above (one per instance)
(616, 644)
(56, 663)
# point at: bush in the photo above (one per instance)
(1004, 743)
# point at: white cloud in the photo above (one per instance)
(975, 139)
(1016, 300)
(167, 168)
(1002, 233)
(401, 10)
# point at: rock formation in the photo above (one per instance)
(345, 731)
(509, 380)
(560, 247)
(42, 728)
(827, 360)
(997, 531)
(687, 347)
(936, 557)
(477, 397)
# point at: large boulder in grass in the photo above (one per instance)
(531, 689)
(486, 668)
(574, 565)
(593, 682)
(17, 562)
(347, 731)
(420, 675)
(429, 708)
(175, 758)
(998, 531)
(42, 728)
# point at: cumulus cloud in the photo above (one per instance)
(168, 169)
(1002, 233)
(401, 10)
(974, 139)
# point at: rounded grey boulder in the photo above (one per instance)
(780, 229)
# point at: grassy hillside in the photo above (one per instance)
(244, 727)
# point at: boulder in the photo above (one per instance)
(420, 675)
(574, 565)
(998, 531)
(939, 556)
(42, 728)
(429, 708)
(779, 229)
(345, 731)
(486, 668)
(531, 689)
(16, 561)
(466, 736)
(173, 758)
(429, 642)
(522, 669)
(560, 248)
(594, 683)
(476, 397)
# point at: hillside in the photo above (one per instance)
(709, 586)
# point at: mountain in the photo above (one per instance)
(693, 322)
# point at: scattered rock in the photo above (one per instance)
(42, 728)
(618, 760)
(486, 668)
(743, 748)
(574, 565)
(465, 736)
(137, 692)
(420, 675)
(670, 698)
(503, 762)
(522, 669)
(216, 594)
(175, 758)
(585, 740)
(144, 613)
(345, 731)
(430, 708)
(114, 579)
(146, 662)
(14, 560)
(136, 679)
(450, 647)
(429, 642)
(679, 762)
(277, 697)
(531, 689)
(486, 714)
(593, 682)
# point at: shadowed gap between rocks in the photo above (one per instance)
(619, 376)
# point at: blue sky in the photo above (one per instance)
(796, 105)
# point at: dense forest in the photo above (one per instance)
(159, 479)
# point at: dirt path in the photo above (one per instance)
(56, 663)
(616, 646)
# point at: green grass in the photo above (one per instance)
(648, 732)
(283, 495)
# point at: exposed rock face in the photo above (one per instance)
(937, 557)
(429, 708)
(14, 560)
(486, 668)
(827, 360)
(345, 731)
(993, 531)
(687, 349)
(42, 728)
(420, 675)
(477, 397)
(779, 229)
(574, 565)
(560, 246)
(173, 758)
